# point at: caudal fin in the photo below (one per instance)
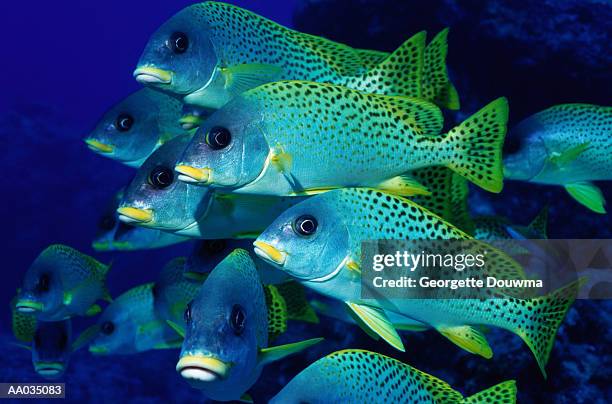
(544, 315)
(437, 87)
(475, 146)
(503, 393)
(298, 307)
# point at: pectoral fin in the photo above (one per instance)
(469, 339)
(180, 330)
(67, 299)
(93, 310)
(587, 194)
(376, 320)
(271, 354)
(246, 398)
(243, 77)
(404, 185)
(569, 155)
(87, 335)
(281, 160)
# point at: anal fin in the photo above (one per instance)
(587, 194)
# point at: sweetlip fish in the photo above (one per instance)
(353, 375)
(131, 130)
(210, 52)
(62, 282)
(114, 235)
(332, 226)
(499, 228)
(226, 334)
(302, 138)
(130, 325)
(567, 145)
(155, 199)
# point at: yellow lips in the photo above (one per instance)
(202, 368)
(152, 75)
(135, 214)
(28, 306)
(99, 146)
(189, 122)
(193, 174)
(270, 253)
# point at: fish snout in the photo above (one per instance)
(49, 369)
(202, 369)
(28, 306)
(99, 147)
(192, 174)
(129, 214)
(152, 75)
(269, 253)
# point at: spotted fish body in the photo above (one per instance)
(350, 216)
(357, 376)
(130, 325)
(131, 130)
(193, 211)
(291, 137)
(225, 50)
(62, 282)
(567, 145)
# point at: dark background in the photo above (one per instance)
(65, 62)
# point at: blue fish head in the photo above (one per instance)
(156, 199)
(179, 57)
(229, 149)
(129, 132)
(226, 325)
(524, 151)
(312, 228)
(51, 348)
(42, 290)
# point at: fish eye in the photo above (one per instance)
(124, 122)
(108, 327)
(161, 177)
(43, 283)
(305, 225)
(178, 42)
(212, 247)
(187, 315)
(237, 319)
(107, 222)
(218, 138)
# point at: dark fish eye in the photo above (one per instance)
(187, 315)
(178, 42)
(124, 122)
(107, 222)
(108, 327)
(212, 247)
(237, 319)
(161, 177)
(305, 225)
(218, 138)
(43, 283)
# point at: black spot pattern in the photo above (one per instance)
(277, 312)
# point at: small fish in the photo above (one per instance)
(115, 235)
(210, 52)
(155, 199)
(353, 375)
(500, 228)
(130, 325)
(332, 226)
(226, 335)
(61, 283)
(52, 345)
(302, 138)
(567, 145)
(131, 130)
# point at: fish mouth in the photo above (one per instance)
(98, 349)
(269, 253)
(192, 175)
(152, 75)
(128, 214)
(28, 306)
(202, 368)
(189, 122)
(99, 147)
(49, 369)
